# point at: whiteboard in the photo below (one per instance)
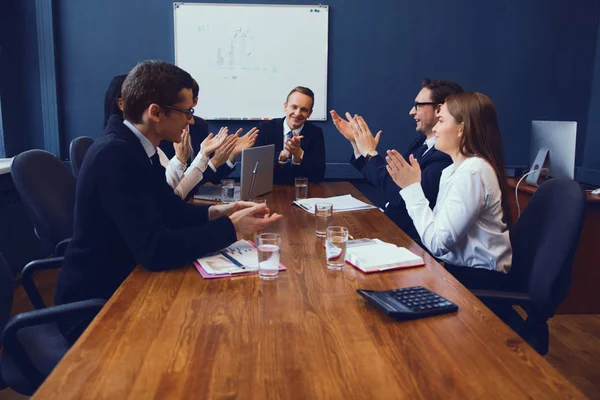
(246, 58)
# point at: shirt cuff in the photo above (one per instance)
(301, 158)
(230, 164)
(177, 165)
(200, 162)
(357, 156)
(210, 164)
(412, 194)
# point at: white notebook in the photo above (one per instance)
(375, 256)
(340, 203)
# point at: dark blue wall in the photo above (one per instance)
(19, 77)
(590, 170)
(534, 58)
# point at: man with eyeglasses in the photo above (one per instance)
(125, 212)
(372, 165)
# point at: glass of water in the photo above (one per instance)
(335, 247)
(227, 190)
(323, 213)
(268, 255)
(301, 185)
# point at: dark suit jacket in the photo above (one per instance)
(199, 132)
(432, 164)
(313, 144)
(126, 214)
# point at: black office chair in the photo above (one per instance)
(77, 150)
(32, 345)
(544, 241)
(47, 188)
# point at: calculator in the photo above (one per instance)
(409, 303)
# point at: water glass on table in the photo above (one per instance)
(268, 255)
(301, 185)
(335, 247)
(323, 214)
(227, 190)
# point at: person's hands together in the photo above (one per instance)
(253, 219)
(403, 173)
(292, 148)
(213, 142)
(224, 151)
(225, 210)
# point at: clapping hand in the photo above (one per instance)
(365, 142)
(292, 148)
(244, 142)
(403, 173)
(183, 149)
(212, 142)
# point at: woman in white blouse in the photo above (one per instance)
(469, 226)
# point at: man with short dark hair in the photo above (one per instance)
(126, 213)
(372, 165)
(299, 145)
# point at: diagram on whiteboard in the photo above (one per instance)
(238, 53)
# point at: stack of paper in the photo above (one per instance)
(340, 203)
(380, 256)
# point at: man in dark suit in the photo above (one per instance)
(299, 145)
(373, 166)
(126, 213)
(221, 163)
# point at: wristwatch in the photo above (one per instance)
(371, 154)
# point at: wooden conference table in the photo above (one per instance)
(305, 335)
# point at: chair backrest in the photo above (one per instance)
(47, 188)
(77, 150)
(544, 241)
(6, 293)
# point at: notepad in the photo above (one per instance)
(240, 257)
(340, 203)
(380, 256)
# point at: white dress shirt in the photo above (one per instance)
(287, 130)
(465, 228)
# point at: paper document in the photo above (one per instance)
(340, 203)
(380, 256)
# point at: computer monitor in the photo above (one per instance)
(256, 177)
(552, 151)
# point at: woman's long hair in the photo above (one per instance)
(481, 136)
(111, 96)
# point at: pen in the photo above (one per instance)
(233, 260)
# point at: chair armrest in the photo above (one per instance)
(508, 298)
(61, 247)
(29, 284)
(11, 343)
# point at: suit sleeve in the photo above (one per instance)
(161, 231)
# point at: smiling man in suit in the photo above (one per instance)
(372, 165)
(299, 145)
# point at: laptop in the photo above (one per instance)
(260, 158)
(256, 177)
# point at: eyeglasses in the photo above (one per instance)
(425, 103)
(189, 113)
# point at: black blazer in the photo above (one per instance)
(313, 144)
(432, 164)
(126, 214)
(199, 132)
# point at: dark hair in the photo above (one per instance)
(195, 89)
(152, 82)
(111, 96)
(303, 90)
(441, 89)
(481, 136)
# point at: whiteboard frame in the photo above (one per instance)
(322, 6)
